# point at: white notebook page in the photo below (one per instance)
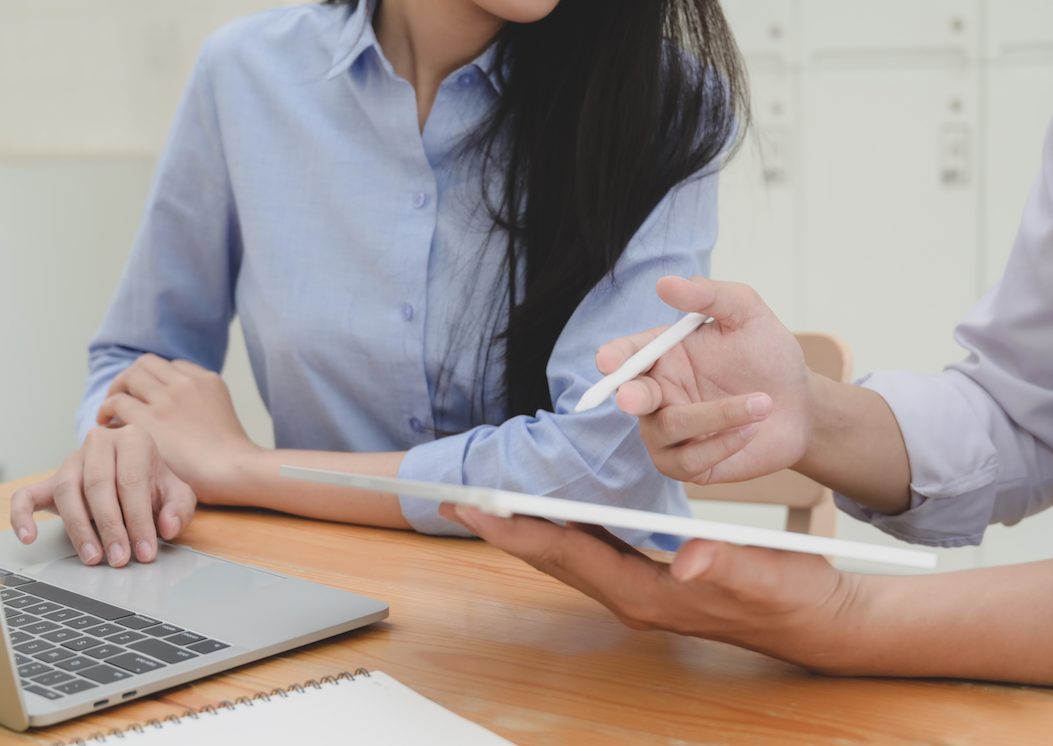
(369, 709)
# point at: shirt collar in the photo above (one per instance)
(355, 39)
(487, 64)
(358, 36)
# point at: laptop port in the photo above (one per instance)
(100, 703)
(126, 695)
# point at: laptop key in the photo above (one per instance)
(163, 630)
(63, 614)
(19, 620)
(34, 646)
(104, 674)
(39, 628)
(104, 651)
(55, 654)
(33, 669)
(9, 593)
(75, 664)
(137, 621)
(42, 608)
(208, 646)
(21, 602)
(125, 637)
(20, 659)
(77, 685)
(55, 677)
(134, 663)
(184, 638)
(81, 643)
(46, 693)
(105, 611)
(82, 622)
(103, 630)
(60, 635)
(162, 651)
(10, 581)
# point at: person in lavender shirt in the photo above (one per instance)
(931, 459)
(423, 214)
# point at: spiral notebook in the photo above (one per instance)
(363, 707)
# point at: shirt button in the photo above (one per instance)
(420, 199)
(465, 80)
(416, 425)
(407, 312)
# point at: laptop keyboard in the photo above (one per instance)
(67, 643)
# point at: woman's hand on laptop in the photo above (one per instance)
(115, 495)
(188, 412)
(732, 401)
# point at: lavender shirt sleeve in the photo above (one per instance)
(980, 435)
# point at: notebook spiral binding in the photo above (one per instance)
(116, 734)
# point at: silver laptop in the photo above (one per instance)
(77, 639)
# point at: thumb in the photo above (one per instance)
(694, 559)
(732, 567)
(746, 573)
(27, 501)
(178, 503)
(730, 303)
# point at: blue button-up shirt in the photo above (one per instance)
(298, 192)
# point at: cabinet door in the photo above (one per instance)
(758, 193)
(1019, 84)
(765, 30)
(1019, 30)
(902, 31)
(890, 211)
(1020, 106)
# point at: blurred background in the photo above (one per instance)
(878, 196)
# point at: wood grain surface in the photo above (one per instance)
(501, 644)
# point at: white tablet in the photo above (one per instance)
(504, 503)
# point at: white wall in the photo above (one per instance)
(87, 91)
(877, 197)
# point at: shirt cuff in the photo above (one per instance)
(954, 465)
(437, 461)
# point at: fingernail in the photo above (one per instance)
(116, 554)
(23, 534)
(758, 405)
(88, 552)
(693, 566)
(748, 432)
(466, 515)
(143, 551)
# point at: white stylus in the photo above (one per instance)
(640, 362)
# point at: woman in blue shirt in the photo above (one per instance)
(426, 215)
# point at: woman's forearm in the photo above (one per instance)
(856, 447)
(991, 623)
(252, 479)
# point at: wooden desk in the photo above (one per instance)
(492, 639)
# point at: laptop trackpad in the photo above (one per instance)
(179, 584)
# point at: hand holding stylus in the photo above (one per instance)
(727, 403)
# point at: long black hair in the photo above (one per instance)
(605, 106)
